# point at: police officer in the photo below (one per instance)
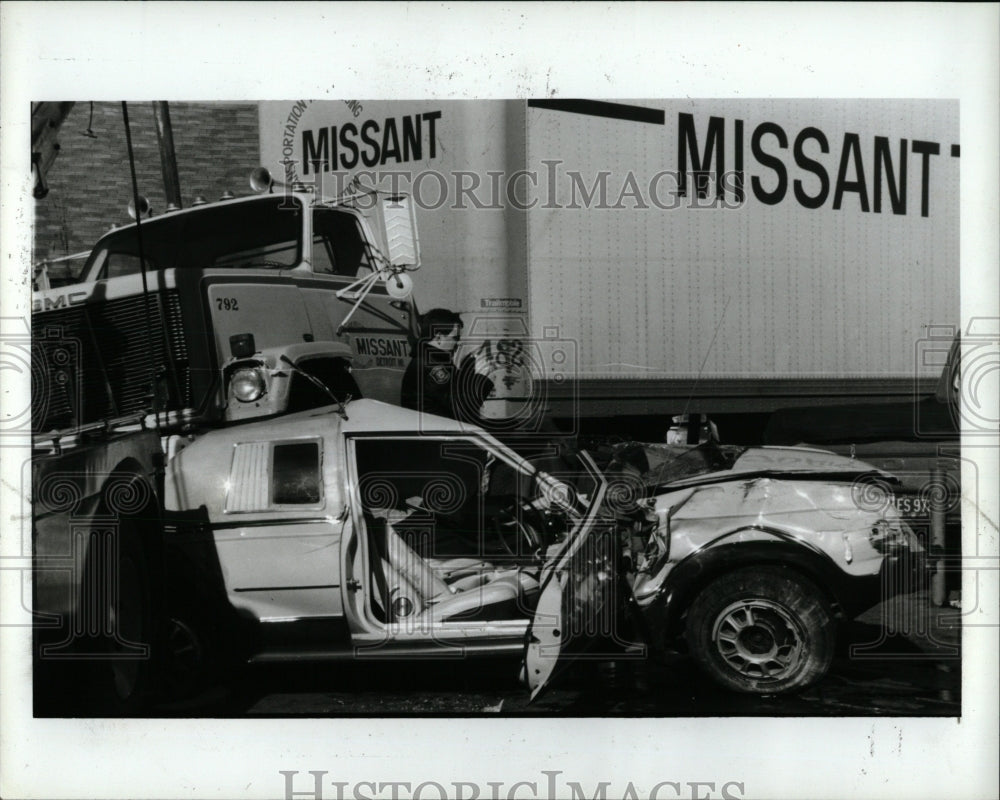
(433, 383)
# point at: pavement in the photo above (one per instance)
(901, 658)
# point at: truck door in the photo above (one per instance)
(379, 331)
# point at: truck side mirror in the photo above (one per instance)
(399, 225)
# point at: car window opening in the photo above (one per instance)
(296, 474)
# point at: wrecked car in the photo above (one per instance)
(371, 531)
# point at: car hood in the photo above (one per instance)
(669, 465)
(796, 459)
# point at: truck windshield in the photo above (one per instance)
(264, 233)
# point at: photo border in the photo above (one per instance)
(260, 51)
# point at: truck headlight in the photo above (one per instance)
(247, 384)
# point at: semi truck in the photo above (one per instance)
(656, 256)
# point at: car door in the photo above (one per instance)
(278, 537)
(580, 594)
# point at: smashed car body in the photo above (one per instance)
(755, 553)
(372, 531)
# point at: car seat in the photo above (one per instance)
(440, 590)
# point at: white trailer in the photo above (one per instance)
(714, 255)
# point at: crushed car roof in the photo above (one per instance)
(363, 416)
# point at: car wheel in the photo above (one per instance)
(762, 631)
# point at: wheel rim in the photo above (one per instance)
(127, 629)
(759, 639)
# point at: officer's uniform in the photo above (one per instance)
(433, 384)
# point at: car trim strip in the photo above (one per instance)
(287, 588)
(258, 523)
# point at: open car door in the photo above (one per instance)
(578, 604)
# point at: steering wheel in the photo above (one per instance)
(513, 522)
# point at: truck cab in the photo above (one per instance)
(230, 286)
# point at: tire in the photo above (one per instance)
(765, 630)
(104, 657)
(126, 680)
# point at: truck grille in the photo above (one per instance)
(95, 361)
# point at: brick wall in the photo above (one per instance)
(217, 145)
